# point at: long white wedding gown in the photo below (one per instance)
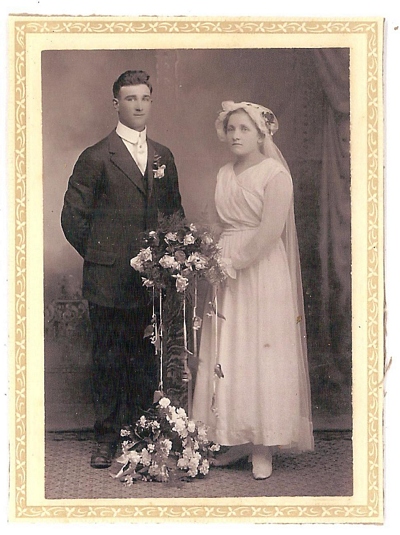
(260, 345)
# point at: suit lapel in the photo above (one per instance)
(121, 157)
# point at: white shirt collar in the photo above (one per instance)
(129, 134)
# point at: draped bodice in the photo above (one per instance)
(239, 197)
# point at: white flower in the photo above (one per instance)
(154, 470)
(134, 457)
(152, 234)
(207, 239)
(129, 481)
(124, 433)
(164, 402)
(187, 453)
(191, 426)
(181, 282)
(137, 263)
(197, 260)
(179, 425)
(171, 236)
(166, 445)
(168, 261)
(197, 321)
(193, 464)
(192, 472)
(147, 282)
(142, 421)
(180, 428)
(193, 227)
(204, 468)
(146, 457)
(202, 432)
(159, 172)
(146, 254)
(181, 412)
(182, 463)
(188, 239)
(171, 416)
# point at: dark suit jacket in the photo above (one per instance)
(106, 209)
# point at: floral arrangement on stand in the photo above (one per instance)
(165, 445)
(165, 441)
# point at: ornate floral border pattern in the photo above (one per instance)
(369, 511)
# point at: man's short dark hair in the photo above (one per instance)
(131, 78)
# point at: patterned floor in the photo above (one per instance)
(327, 471)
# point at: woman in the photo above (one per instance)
(252, 386)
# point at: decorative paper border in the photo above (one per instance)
(371, 510)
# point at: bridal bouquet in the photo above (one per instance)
(164, 445)
(177, 253)
(173, 258)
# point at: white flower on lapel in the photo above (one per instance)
(158, 169)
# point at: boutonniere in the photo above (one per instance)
(158, 169)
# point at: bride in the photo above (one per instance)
(252, 390)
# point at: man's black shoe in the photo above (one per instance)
(103, 455)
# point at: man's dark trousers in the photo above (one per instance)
(124, 373)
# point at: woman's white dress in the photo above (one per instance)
(264, 395)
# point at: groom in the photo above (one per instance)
(117, 188)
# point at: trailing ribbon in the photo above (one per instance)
(160, 334)
(218, 373)
(156, 340)
(187, 375)
(194, 319)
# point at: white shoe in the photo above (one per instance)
(262, 461)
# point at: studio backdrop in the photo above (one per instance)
(307, 89)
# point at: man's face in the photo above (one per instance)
(133, 106)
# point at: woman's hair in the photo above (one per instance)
(228, 115)
(131, 78)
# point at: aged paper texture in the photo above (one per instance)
(33, 40)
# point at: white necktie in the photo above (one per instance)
(141, 154)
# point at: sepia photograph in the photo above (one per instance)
(198, 269)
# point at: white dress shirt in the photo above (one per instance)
(136, 143)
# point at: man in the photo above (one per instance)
(115, 193)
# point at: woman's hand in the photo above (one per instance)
(228, 268)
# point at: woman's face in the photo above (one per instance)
(242, 135)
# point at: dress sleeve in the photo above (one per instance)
(278, 195)
(210, 217)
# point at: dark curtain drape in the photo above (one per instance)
(332, 66)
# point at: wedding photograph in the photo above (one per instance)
(200, 214)
(301, 98)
